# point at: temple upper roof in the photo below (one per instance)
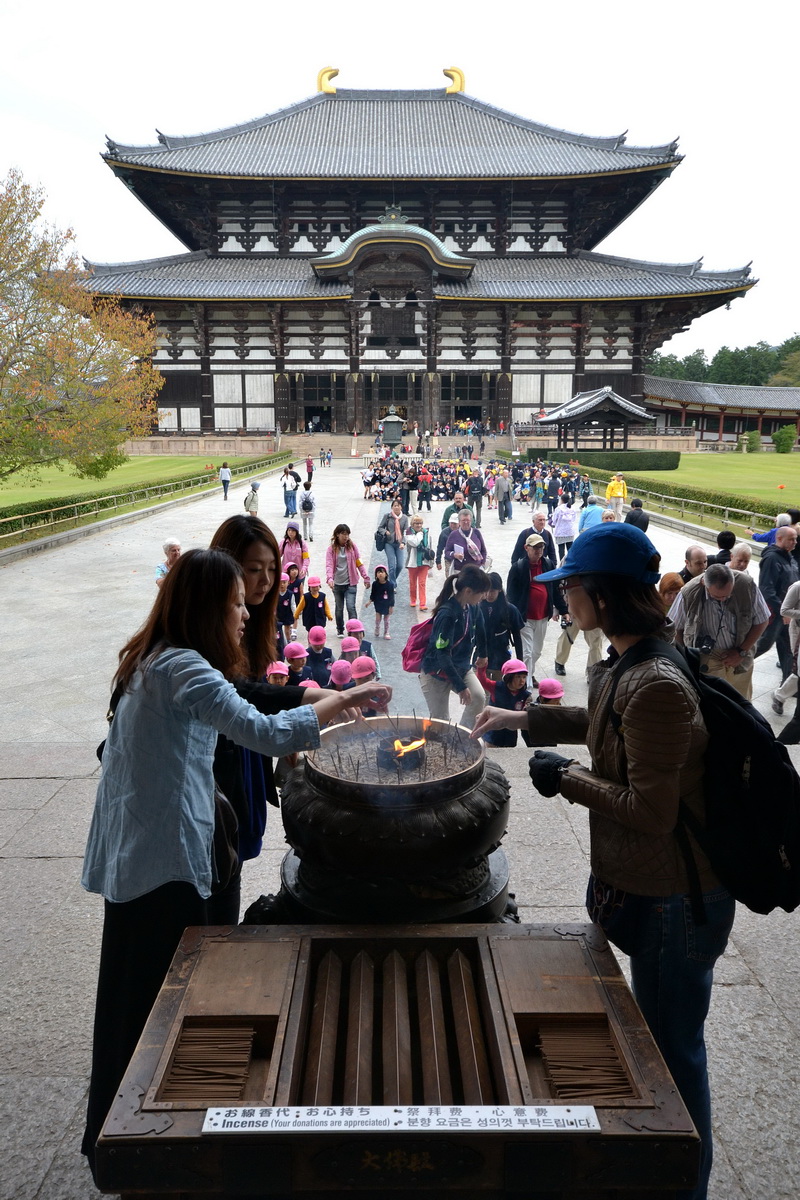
(390, 134)
(201, 276)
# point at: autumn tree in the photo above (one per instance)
(76, 376)
(789, 373)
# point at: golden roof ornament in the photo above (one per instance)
(324, 80)
(457, 81)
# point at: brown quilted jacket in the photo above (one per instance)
(638, 778)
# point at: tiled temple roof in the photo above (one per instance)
(723, 395)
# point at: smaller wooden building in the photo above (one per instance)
(596, 420)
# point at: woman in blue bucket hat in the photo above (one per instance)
(647, 739)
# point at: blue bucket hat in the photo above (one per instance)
(608, 549)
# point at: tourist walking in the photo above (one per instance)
(564, 523)
(537, 602)
(394, 525)
(172, 551)
(616, 495)
(294, 549)
(290, 483)
(343, 566)
(502, 493)
(418, 556)
(251, 499)
(308, 509)
(225, 479)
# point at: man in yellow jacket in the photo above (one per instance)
(616, 492)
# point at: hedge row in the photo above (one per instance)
(136, 492)
(627, 460)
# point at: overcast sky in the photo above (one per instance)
(720, 76)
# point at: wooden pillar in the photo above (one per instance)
(282, 401)
(504, 396)
(431, 399)
(720, 427)
(354, 401)
(760, 423)
(200, 319)
(300, 403)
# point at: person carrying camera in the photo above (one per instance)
(722, 614)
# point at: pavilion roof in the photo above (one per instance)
(391, 134)
(200, 275)
(603, 399)
(723, 395)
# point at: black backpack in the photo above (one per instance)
(306, 503)
(751, 833)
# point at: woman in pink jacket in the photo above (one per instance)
(294, 550)
(343, 566)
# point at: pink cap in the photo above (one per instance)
(309, 683)
(514, 666)
(349, 643)
(341, 671)
(550, 689)
(314, 581)
(295, 650)
(317, 635)
(363, 666)
(277, 668)
(354, 626)
(284, 577)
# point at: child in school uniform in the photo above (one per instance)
(313, 607)
(507, 692)
(550, 692)
(356, 629)
(285, 610)
(320, 657)
(295, 584)
(296, 656)
(381, 595)
(278, 674)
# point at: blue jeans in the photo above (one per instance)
(344, 593)
(290, 500)
(395, 559)
(672, 970)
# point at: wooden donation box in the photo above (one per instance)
(478, 1061)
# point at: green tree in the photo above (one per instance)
(753, 441)
(76, 376)
(665, 366)
(751, 365)
(788, 375)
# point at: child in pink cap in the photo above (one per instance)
(320, 656)
(510, 691)
(278, 674)
(296, 656)
(356, 629)
(285, 610)
(350, 649)
(341, 675)
(313, 606)
(550, 692)
(364, 672)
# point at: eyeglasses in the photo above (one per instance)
(566, 586)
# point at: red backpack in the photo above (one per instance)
(414, 650)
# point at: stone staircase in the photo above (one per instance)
(300, 445)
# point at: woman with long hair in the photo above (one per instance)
(149, 851)
(647, 739)
(343, 566)
(394, 525)
(457, 632)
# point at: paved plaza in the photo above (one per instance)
(66, 611)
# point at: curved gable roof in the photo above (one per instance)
(387, 134)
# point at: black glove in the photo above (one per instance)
(545, 771)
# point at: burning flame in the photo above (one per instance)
(400, 749)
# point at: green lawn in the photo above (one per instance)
(139, 470)
(740, 474)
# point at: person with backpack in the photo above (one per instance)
(456, 634)
(308, 508)
(647, 739)
(251, 499)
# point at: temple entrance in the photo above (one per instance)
(467, 397)
(314, 398)
(467, 412)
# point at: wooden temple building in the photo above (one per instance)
(425, 249)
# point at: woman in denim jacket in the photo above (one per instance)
(149, 852)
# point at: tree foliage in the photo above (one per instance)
(757, 366)
(784, 439)
(76, 376)
(789, 373)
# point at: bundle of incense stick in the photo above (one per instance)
(210, 1063)
(581, 1061)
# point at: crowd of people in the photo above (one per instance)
(276, 648)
